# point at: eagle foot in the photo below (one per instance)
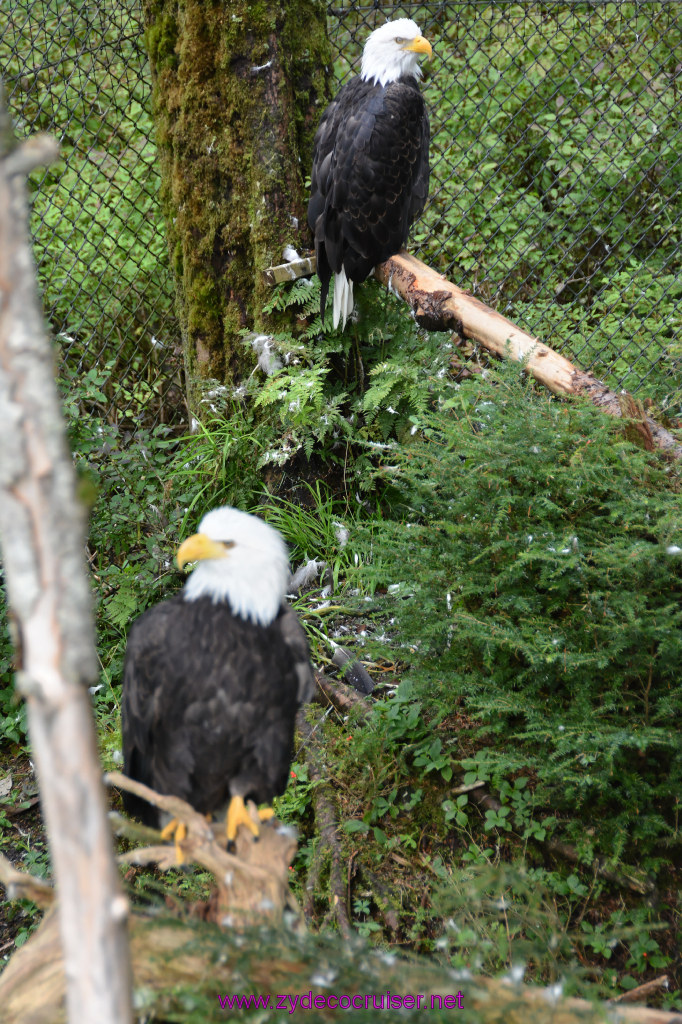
(237, 814)
(176, 830)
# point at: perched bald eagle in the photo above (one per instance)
(213, 677)
(370, 175)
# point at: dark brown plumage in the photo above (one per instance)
(210, 696)
(370, 174)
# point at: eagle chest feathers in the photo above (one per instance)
(209, 702)
(370, 173)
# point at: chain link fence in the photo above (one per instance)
(555, 194)
(79, 70)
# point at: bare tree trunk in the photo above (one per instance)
(238, 90)
(42, 528)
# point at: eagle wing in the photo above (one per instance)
(294, 637)
(145, 706)
(370, 175)
(209, 702)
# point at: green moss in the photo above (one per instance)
(161, 37)
(229, 132)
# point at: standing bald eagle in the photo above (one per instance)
(370, 175)
(213, 677)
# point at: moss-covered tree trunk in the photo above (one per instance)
(239, 86)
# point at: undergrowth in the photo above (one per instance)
(508, 565)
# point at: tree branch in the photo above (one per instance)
(439, 305)
(325, 813)
(19, 885)
(42, 529)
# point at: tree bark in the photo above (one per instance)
(42, 528)
(238, 90)
(177, 964)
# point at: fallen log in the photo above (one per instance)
(439, 305)
(182, 965)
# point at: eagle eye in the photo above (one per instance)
(227, 544)
(399, 40)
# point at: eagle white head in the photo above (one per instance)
(240, 559)
(392, 51)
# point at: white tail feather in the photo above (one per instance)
(343, 298)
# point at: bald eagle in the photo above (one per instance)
(370, 174)
(213, 677)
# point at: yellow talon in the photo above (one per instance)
(237, 815)
(265, 813)
(176, 830)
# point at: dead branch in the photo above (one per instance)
(344, 698)
(43, 528)
(252, 884)
(439, 305)
(639, 994)
(289, 271)
(384, 899)
(325, 813)
(626, 878)
(19, 885)
(172, 958)
(21, 808)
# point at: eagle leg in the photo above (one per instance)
(176, 830)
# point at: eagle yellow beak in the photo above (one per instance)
(198, 547)
(419, 45)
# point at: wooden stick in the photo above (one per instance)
(289, 271)
(43, 532)
(325, 813)
(344, 697)
(19, 885)
(639, 994)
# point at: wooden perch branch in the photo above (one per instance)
(42, 528)
(252, 884)
(439, 305)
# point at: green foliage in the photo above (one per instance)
(556, 167)
(534, 542)
(519, 552)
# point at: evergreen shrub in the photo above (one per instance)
(538, 552)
